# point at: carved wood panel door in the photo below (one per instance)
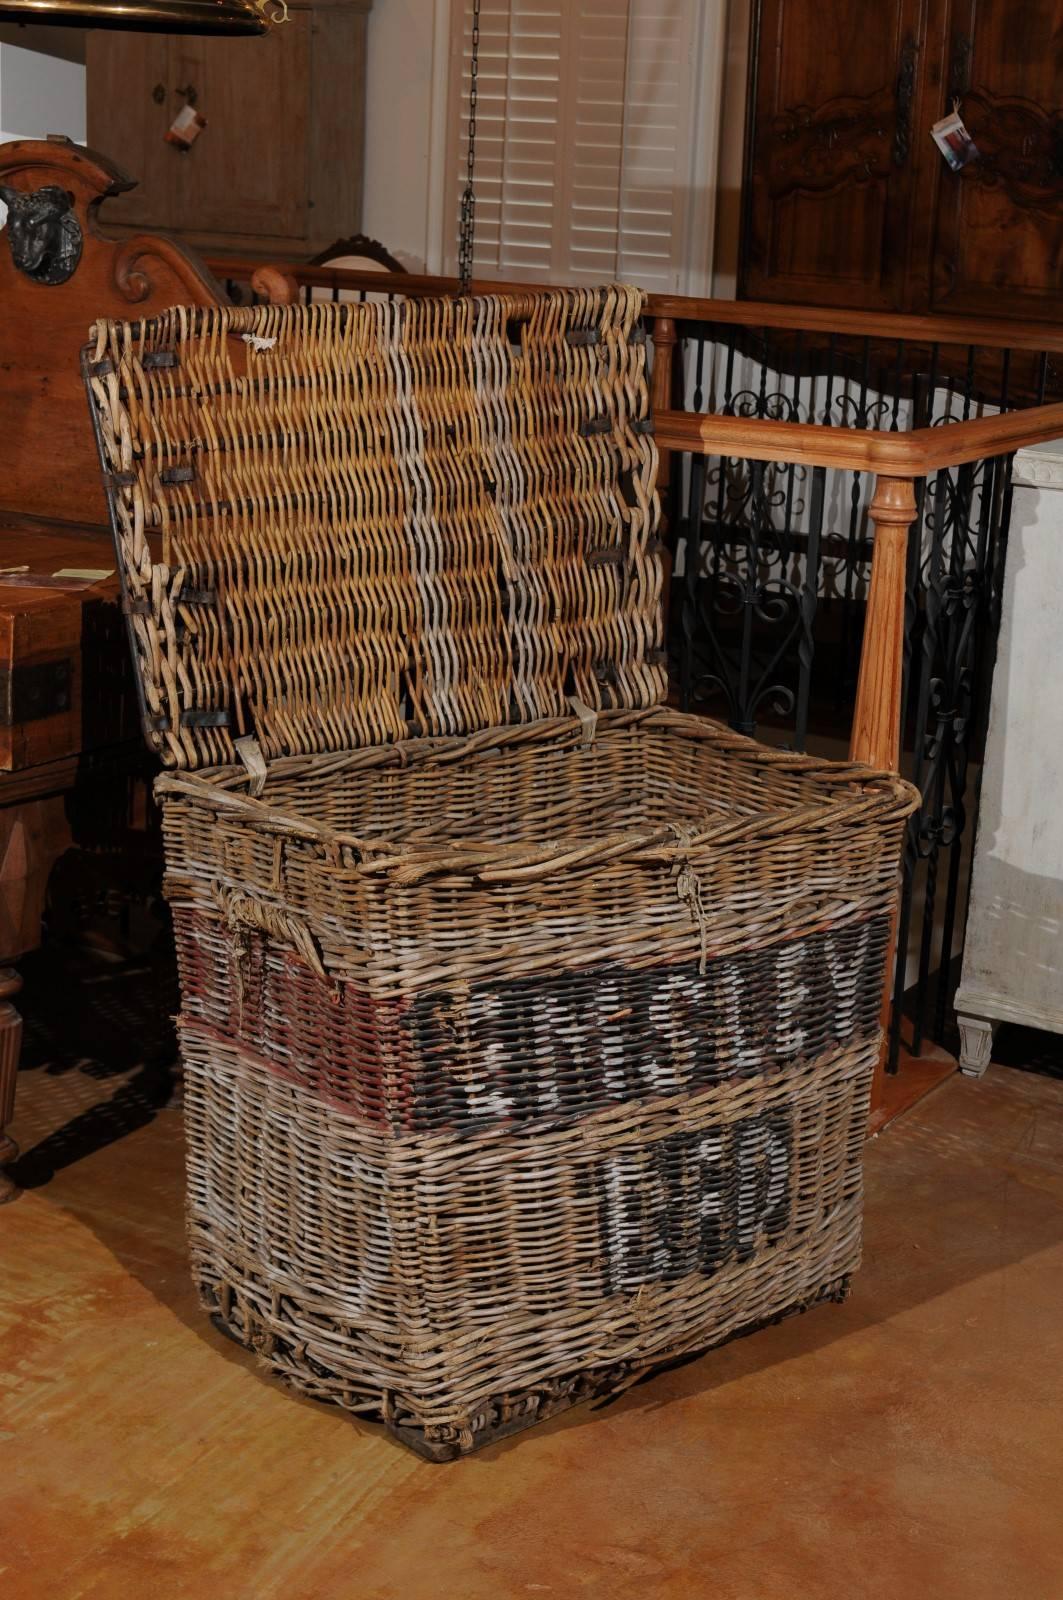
(998, 246)
(836, 97)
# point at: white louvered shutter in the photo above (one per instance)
(584, 141)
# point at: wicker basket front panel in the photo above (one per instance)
(435, 1275)
(420, 909)
(556, 1044)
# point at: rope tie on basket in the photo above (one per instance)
(688, 890)
(244, 914)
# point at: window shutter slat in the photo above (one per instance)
(583, 126)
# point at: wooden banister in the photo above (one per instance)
(952, 332)
(899, 455)
(949, 331)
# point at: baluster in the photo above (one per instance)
(661, 391)
(744, 718)
(699, 372)
(693, 618)
(1042, 377)
(876, 730)
(967, 676)
(932, 383)
(861, 419)
(898, 379)
(828, 404)
(729, 374)
(809, 602)
(664, 342)
(968, 383)
(1005, 378)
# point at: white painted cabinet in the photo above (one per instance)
(1013, 960)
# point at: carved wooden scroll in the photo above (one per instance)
(58, 273)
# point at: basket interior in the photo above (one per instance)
(640, 778)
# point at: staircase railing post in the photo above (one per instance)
(876, 730)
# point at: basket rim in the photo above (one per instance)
(873, 793)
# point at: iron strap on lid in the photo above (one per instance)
(346, 525)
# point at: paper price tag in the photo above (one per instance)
(185, 128)
(954, 142)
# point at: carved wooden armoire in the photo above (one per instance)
(848, 201)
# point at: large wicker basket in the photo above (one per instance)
(528, 1026)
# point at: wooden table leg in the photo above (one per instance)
(10, 1045)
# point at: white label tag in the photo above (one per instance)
(954, 142)
(185, 128)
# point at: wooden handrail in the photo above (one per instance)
(913, 454)
(952, 332)
(896, 455)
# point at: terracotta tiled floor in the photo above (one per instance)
(908, 1444)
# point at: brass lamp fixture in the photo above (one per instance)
(144, 16)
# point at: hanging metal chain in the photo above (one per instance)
(467, 225)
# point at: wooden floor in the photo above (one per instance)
(908, 1444)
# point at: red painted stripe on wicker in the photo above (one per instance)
(532, 1048)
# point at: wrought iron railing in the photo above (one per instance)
(777, 426)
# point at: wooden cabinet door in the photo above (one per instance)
(247, 173)
(836, 101)
(130, 107)
(998, 248)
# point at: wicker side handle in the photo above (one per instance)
(243, 911)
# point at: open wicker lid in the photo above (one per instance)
(347, 525)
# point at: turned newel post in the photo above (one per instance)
(664, 342)
(10, 1042)
(876, 733)
(276, 287)
(661, 387)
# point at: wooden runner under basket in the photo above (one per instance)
(528, 1025)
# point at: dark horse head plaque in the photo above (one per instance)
(43, 232)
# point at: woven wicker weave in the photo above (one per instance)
(525, 1046)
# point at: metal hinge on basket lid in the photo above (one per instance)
(588, 720)
(250, 752)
